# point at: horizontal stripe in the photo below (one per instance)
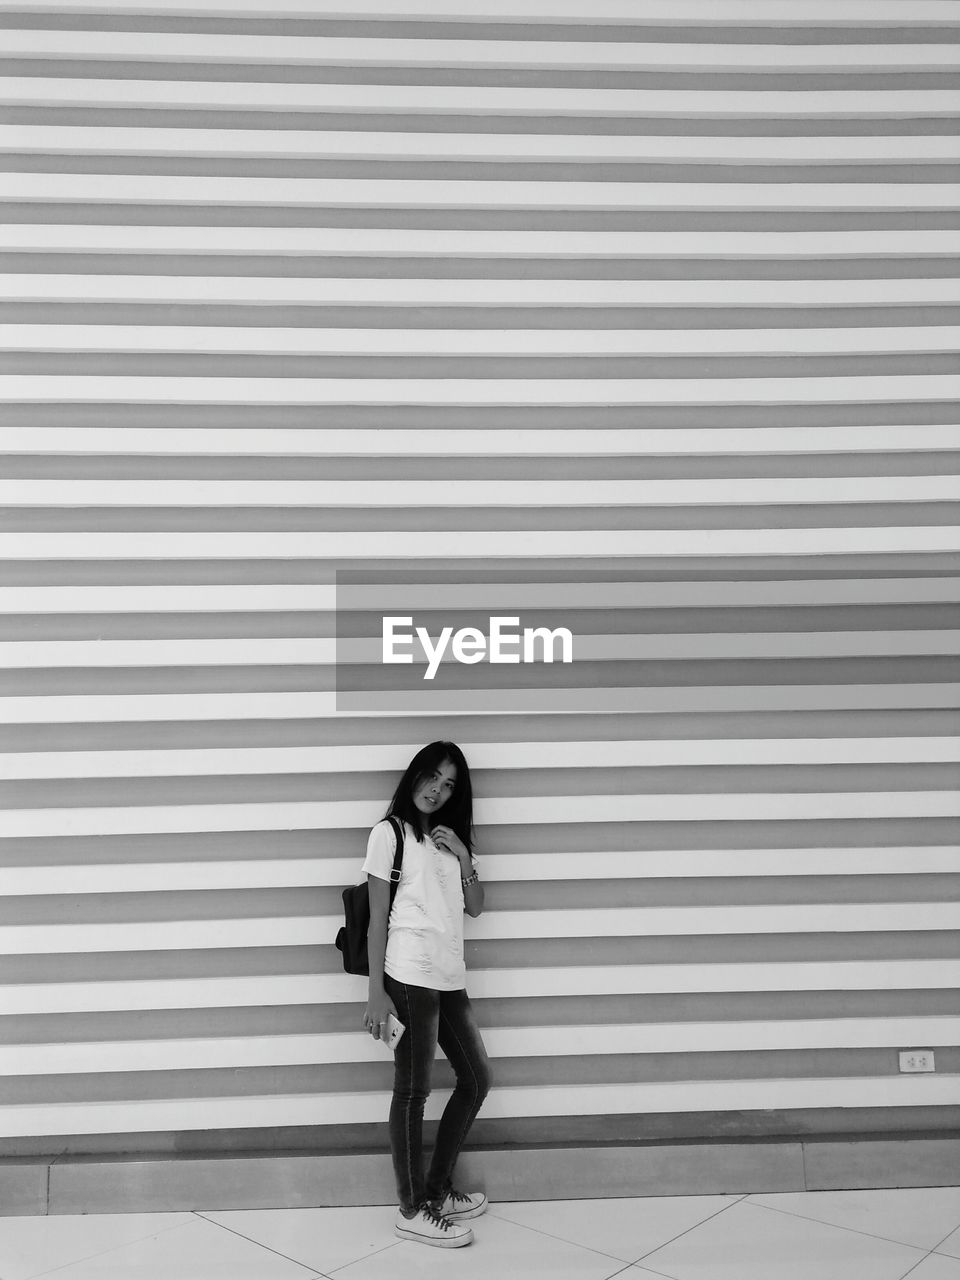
(147, 708)
(331, 241)
(479, 545)
(775, 12)
(370, 51)
(305, 1109)
(273, 651)
(477, 493)
(481, 100)
(305, 815)
(54, 939)
(602, 980)
(310, 597)
(275, 873)
(369, 758)
(594, 294)
(479, 342)
(398, 191)
(501, 1042)
(463, 441)
(22, 139)
(56, 387)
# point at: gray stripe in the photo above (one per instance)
(360, 1077)
(516, 954)
(276, 788)
(17, 160)
(600, 1010)
(237, 214)
(542, 894)
(528, 267)
(121, 466)
(277, 518)
(503, 369)
(193, 735)
(678, 836)
(254, 315)
(471, 28)
(676, 124)
(507, 77)
(495, 417)
(581, 621)
(76, 572)
(374, 681)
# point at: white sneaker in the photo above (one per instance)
(429, 1227)
(457, 1205)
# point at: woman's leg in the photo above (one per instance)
(460, 1040)
(417, 1009)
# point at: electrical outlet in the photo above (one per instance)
(916, 1060)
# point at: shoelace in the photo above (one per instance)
(458, 1195)
(436, 1218)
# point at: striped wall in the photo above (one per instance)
(660, 311)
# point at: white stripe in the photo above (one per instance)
(338, 814)
(276, 651)
(215, 598)
(368, 51)
(305, 931)
(292, 143)
(277, 873)
(185, 762)
(501, 1042)
(479, 101)
(391, 192)
(252, 991)
(299, 1109)
(479, 293)
(570, 494)
(774, 12)
(476, 545)
(468, 342)
(42, 388)
(198, 708)
(454, 443)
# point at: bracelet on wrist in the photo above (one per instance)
(471, 879)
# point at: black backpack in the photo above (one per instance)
(352, 937)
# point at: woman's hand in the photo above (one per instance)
(447, 839)
(375, 1014)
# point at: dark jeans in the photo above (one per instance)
(432, 1017)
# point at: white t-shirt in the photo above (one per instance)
(425, 937)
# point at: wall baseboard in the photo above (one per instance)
(138, 1184)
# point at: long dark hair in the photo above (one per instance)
(458, 810)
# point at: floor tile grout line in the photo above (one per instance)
(940, 1242)
(918, 1263)
(373, 1254)
(100, 1253)
(855, 1230)
(550, 1235)
(197, 1213)
(696, 1225)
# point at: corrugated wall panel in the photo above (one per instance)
(651, 319)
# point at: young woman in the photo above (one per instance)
(417, 974)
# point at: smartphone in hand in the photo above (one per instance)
(393, 1031)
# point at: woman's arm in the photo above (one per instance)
(445, 837)
(379, 1003)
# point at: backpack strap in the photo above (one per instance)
(397, 857)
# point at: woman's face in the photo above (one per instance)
(435, 788)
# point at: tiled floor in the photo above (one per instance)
(817, 1235)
